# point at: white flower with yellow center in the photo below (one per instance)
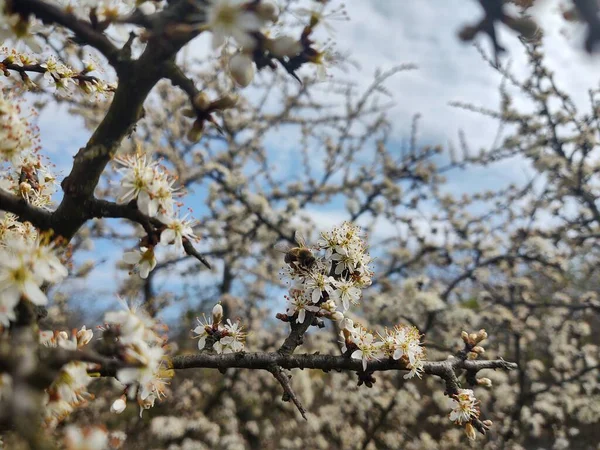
(368, 349)
(229, 18)
(464, 407)
(177, 229)
(143, 260)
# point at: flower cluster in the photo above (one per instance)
(66, 80)
(23, 171)
(227, 338)
(328, 280)
(327, 283)
(359, 343)
(150, 185)
(24, 266)
(69, 389)
(401, 343)
(147, 183)
(135, 338)
(17, 138)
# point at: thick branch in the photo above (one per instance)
(26, 212)
(105, 209)
(296, 335)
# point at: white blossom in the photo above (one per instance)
(464, 407)
(143, 260)
(227, 18)
(177, 229)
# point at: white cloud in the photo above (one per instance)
(385, 33)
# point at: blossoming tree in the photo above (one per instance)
(163, 125)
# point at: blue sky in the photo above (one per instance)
(382, 34)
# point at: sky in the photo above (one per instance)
(382, 34)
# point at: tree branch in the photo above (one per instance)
(295, 338)
(265, 361)
(17, 205)
(288, 393)
(84, 31)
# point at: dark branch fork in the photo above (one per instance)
(136, 80)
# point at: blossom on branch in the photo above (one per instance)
(230, 18)
(177, 229)
(464, 407)
(143, 260)
(69, 389)
(228, 338)
(140, 346)
(24, 267)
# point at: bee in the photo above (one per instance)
(301, 256)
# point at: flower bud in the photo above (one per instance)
(84, 336)
(25, 188)
(118, 405)
(472, 355)
(337, 316)
(217, 314)
(329, 305)
(241, 69)
(470, 431)
(267, 10)
(465, 337)
(478, 349)
(201, 101)
(487, 424)
(348, 324)
(481, 335)
(485, 382)
(284, 46)
(473, 338)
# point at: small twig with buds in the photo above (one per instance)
(288, 393)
